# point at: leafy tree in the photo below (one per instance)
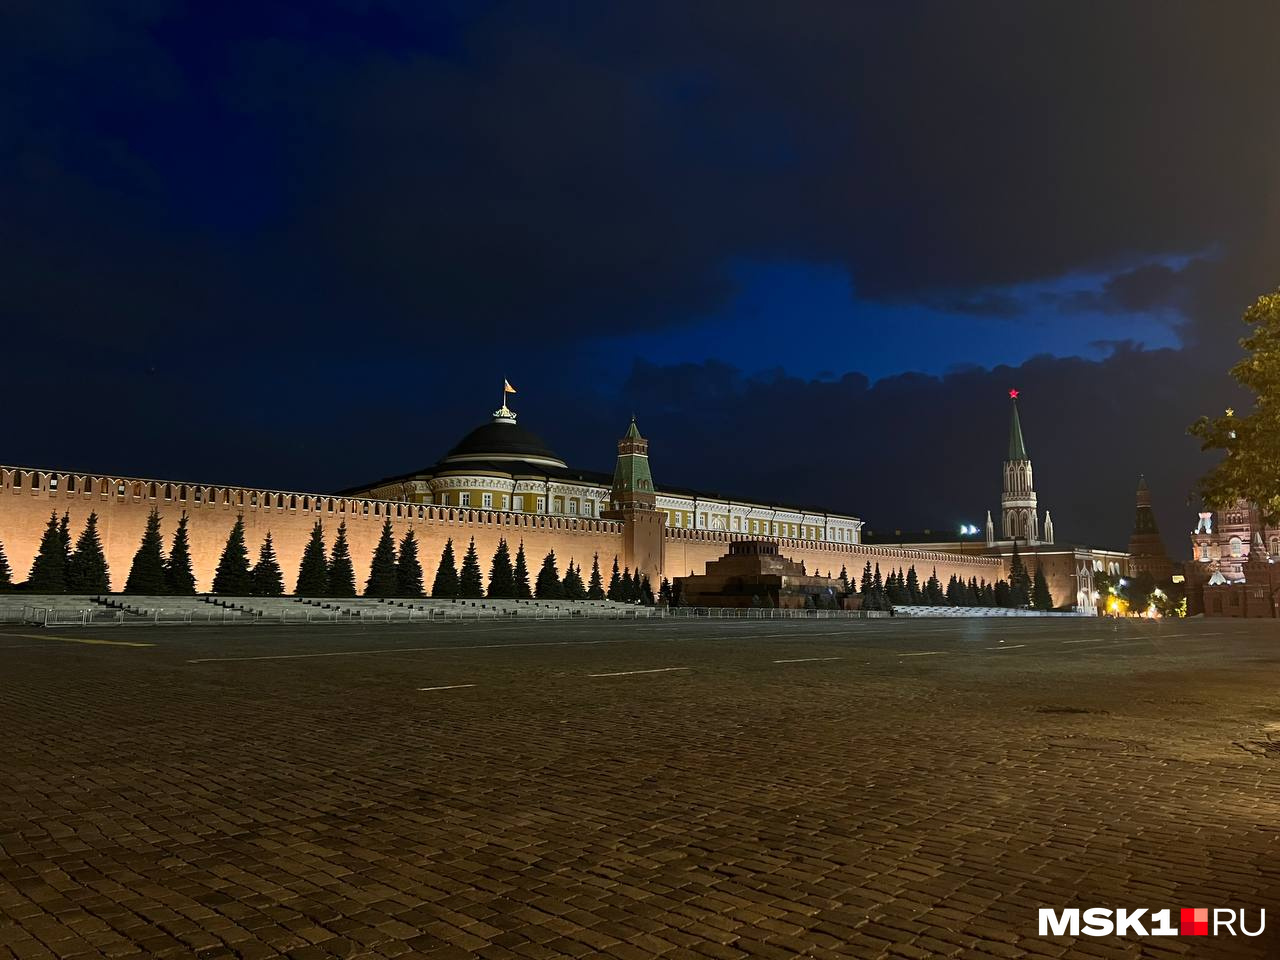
(342, 573)
(409, 569)
(87, 569)
(471, 580)
(313, 571)
(549, 586)
(1019, 581)
(232, 577)
(574, 588)
(502, 578)
(146, 576)
(595, 590)
(1250, 469)
(49, 569)
(646, 592)
(383, 579)
(1041, 599)
(6, 573)
(615, 583)
(521, 575)
(664, 594)
(445, 586)
(267, 579)
(178, 576)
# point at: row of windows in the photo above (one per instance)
(518, 503)
(680, 519)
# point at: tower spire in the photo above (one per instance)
(1019, 518)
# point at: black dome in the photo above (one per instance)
(502, 440)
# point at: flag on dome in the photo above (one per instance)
(507, 387)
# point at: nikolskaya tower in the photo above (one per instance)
(1019, 517)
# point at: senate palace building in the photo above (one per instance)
(501, 465)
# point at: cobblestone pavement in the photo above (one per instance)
(705, 790)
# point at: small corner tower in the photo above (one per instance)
(1018, 517)
(1146, 548)
(634, 502)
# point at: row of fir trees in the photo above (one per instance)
(509, 578)
(395, 571)
(1021, 591)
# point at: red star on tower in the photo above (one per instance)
(1013, 394)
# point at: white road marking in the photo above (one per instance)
(628, 673)
(810, 660)
(453, 686)
(1085, 641)
(439, 648)
(927, 653)
(1010, 646)
(89, 640)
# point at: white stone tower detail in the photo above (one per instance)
(1018, 517)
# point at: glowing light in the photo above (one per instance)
(1013, 394)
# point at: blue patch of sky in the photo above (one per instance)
(808, 319)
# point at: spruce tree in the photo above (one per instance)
(548, 586)
(865, 586)
(646, 591)
(267, 579)
(179, 579)
(470, 579)
(342, 573)
(595, 590)
(913, 585)
(844, 579)
(49, 569)
(1041, 599)
(313, 571)
(627, 589)
(877, 585)
(146, 575)
(409, 569)
(6, 573)
(232, 577)
(664, 593)
(615, 583)
(521, 574)
(574, 588)
(64, 535)
(1003, 595)
(502, 577)
(87, 569)
(383, 581)
(1019, 581)
(933, 590)
(445, 586)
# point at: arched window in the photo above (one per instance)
(1237, 547)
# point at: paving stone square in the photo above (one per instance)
(677, 789)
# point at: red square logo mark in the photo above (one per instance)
(1195, 922)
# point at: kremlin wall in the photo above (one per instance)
(472, 492)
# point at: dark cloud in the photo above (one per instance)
(342, 216)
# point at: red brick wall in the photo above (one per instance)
(690, 551)
(25, 509)
(26, 501)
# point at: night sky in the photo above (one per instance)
(810, 245)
